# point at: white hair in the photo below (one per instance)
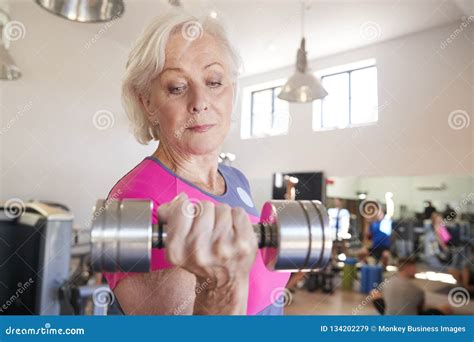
(147, 58)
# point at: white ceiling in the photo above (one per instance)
(267, 33)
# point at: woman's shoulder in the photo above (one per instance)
(145, 180)
(235, 175)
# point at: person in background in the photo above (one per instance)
(449, 213)
(339, 221)
(429, 210)
(436, 251)
(441, 255)
(401, 296)
(379, 232)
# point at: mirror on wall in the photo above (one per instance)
(411, 206)
(411, 195)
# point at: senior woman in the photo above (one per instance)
(180, 89)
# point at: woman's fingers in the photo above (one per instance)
(178, 226)
(167, 211)
(209, 240)
(245, 241)
(223, 233)
(199, 237)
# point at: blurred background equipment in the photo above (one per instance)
(35, 257)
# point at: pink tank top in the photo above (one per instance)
(151, 179)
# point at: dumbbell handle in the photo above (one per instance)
(264, 231)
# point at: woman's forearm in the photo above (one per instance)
(230, 299)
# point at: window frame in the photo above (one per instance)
(349, 71)
(273, 109)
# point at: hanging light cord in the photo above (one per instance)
(302, 18)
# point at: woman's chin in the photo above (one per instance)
(202, 146)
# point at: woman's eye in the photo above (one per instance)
(214, 84)
(176, 90)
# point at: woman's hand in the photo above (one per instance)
(217, 243)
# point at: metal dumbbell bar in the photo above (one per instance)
(292, 235)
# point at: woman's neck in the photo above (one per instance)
(201, 170)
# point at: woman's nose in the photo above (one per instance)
(198, 109)
(198, 102)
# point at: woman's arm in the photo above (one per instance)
(230, 299)
(163, 292)
(176, 292)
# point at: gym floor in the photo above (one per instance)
(342, 302)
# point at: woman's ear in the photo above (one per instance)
(150, 108)
(146, 103)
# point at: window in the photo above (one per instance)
(269, 115)
(264, 114)
(352, 99)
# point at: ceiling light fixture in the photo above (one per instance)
(303, 86)
(84, 11)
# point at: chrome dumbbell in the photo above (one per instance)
(293, 235)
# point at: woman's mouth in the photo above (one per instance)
(201, 128)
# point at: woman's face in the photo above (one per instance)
(194, 89)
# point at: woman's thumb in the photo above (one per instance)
(165, 209)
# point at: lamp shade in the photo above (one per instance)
(84, 11)
(303, 86)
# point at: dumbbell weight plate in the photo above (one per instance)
(298, 230)
(121, 236)
(321, 235)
